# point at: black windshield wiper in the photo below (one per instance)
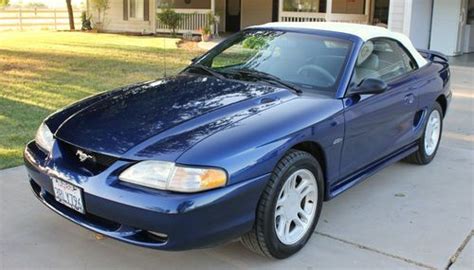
(207, 69)
(268, 78)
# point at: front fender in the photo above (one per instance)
(253, 146)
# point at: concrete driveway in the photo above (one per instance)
(406, 217)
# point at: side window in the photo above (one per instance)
(409, 61)
(383, 59)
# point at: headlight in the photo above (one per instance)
(168, 176)
(44, 138)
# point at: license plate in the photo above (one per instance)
(68, 194)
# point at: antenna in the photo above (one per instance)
(164, 57)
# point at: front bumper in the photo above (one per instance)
(146, 217)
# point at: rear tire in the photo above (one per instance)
(429, 142)
(298, 172)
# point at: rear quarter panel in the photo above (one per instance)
(434, 80)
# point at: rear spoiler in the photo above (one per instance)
(433, 55)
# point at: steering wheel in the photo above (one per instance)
(318, 74)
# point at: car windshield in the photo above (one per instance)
(305, 61)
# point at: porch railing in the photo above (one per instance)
(348, 18)
(287, 16)
(193, 20)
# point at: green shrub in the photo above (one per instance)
(86, 21)
(169, 18)
(211, 19)
(101, 6)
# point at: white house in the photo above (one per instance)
(443, 25)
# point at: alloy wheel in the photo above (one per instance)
(296, 206)
(432, 132)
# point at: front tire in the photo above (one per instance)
(289, 207)
(429, 141)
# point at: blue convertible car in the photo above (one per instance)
(246, 142)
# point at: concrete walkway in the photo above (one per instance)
(405, 217)
(211, 43)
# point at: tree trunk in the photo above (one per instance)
(71, 14)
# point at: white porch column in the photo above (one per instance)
(328, 10)
(372, 11)
(280, 10)
(367, 10)
(153, 19)
(213, 11)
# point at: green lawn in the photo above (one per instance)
(41, 72)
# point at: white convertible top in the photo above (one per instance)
(363, 31)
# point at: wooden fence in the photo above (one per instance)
(23, 19)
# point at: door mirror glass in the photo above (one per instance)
(369, 86)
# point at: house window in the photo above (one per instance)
(349, 7)
(302, 5)
(196, 4)
(136, 9)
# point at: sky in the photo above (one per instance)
(50, 3)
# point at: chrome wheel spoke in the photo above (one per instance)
(302, 186)
(281, 200)
(303, 216)
(279, 212)
(281, 226)
(306, 191)
(294, 182)
(308, 206)
(287, 227)
(288, 186)
(300, 223)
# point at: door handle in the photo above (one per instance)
(409, 99)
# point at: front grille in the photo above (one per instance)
(89, 160)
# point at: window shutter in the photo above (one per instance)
(146, 10)
(125, 10)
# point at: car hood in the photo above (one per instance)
(162, 119)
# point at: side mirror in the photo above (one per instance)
(369, 86)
